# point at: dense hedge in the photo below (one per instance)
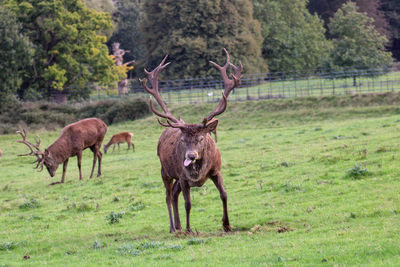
(36, 115)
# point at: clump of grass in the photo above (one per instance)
(9, 245)
(137, 206)
(289, 187)
(196, 241)
(115, 199)
(114, 217)
(30, 204)
(97, 245)
(149, 245)
(146, 247)
(129, 249)
(83, 207)
(357, 171)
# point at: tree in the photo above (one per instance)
(294, 39)
(391, 8)
(326, 9)
(127, 17)
(69, 52)
(356, 42)
(193, 32)
(15, 55)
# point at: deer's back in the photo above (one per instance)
(84, 133)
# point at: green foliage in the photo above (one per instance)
(127, 18)
(30, 204)
(69, 51)
(356, 43)
(9, 245)
(114, 217)
(194, 32)
(51, 115)
(294, 39)
(15, 56)
(113, 111)
(357, 171)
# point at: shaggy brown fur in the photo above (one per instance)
(74, 138)
(119, 138)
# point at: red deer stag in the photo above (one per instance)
(187, 152)
(74, 138)
(119, 138)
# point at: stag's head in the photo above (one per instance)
(42, 157)
(194, 137)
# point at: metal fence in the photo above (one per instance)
(273, 85)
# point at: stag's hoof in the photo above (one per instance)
(188, 231)
(172, 230)
(227, 228)
(55, 183)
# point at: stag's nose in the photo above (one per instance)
(192, 156)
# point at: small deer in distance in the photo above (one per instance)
(119, 138)
(74, 138)
(187, 152)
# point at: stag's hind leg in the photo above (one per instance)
(176, 190)
(79, 156)
(168, 183)
(217, 179)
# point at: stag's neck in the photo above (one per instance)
(60, 150)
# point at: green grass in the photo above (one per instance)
(286, 171)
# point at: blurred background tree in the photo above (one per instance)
(195, 31)
(294, 39)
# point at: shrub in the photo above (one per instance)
(114, 217)
(32, 203)
(357, 171)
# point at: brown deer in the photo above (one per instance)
(187, 152)
(74, 138)
(118, 139)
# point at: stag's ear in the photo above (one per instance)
(211, 125)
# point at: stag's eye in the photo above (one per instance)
(201, 139)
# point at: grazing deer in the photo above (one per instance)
(187, 152)
(74, 138)
(118, 139)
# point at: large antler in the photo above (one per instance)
(39, 154)
(229, 84)
(153, 78)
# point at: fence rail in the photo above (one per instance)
(273, 85)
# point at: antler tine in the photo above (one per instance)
(229, 84)
(173, 125)
(153, 78)
(37, 153)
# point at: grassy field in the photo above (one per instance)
(306, 186)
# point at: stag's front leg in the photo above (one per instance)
(188, 205)
(168, 183)
(217, 179)
(176, 190)
(65, 164)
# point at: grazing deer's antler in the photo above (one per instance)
(153, 78)
(39, 154)
(229, 84)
